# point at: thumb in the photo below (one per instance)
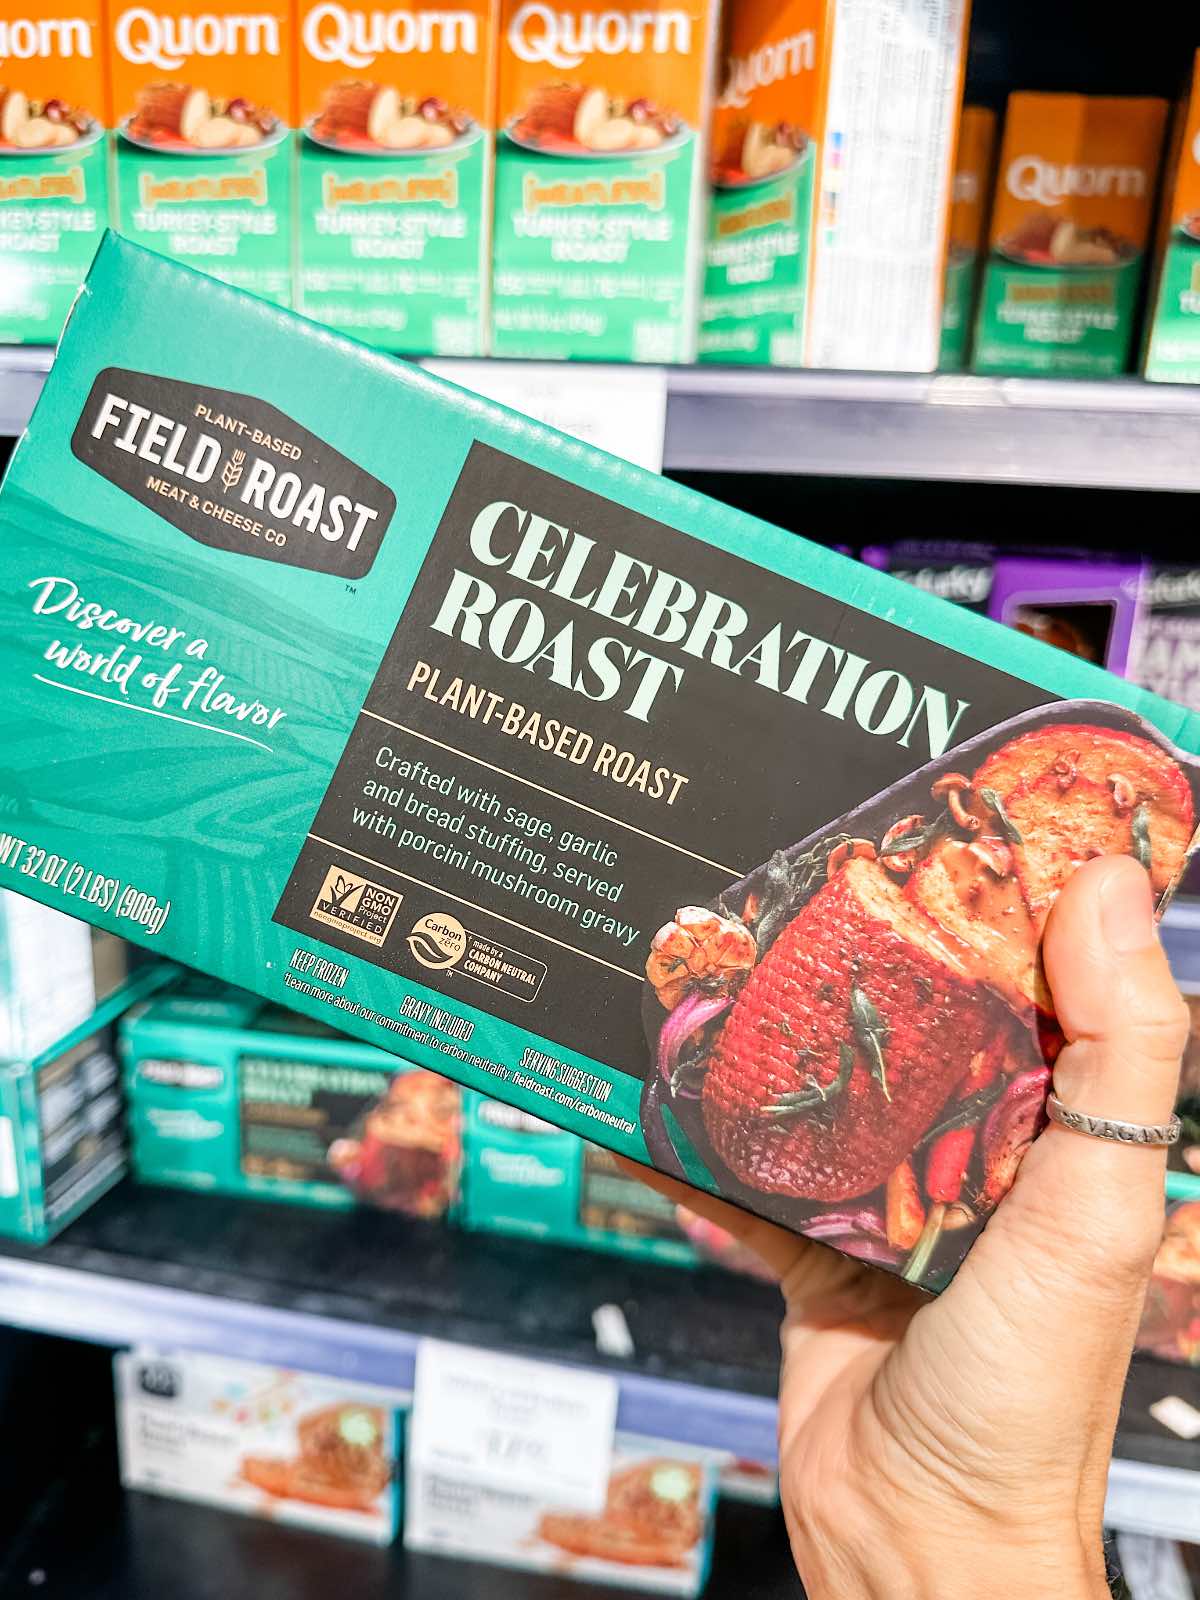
(1125, 1024)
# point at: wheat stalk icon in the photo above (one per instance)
(231, 473)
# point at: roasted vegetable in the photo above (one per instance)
(905, 1213)
(1012, 1125)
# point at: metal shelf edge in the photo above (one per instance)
(23, 370)
(1160, 1501)
(1120, 433)
(122, 1311)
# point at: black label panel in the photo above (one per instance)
(536, 783)
(232, 472)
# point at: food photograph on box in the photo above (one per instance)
(599, 800)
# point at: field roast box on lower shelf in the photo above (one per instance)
(664, 825)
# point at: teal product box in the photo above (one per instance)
(229, 1094)
(423, 720)
(1183, 1158)
(523, 1176)
(300, 1448)
(62, 1126)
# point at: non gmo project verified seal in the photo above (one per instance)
(356, 905)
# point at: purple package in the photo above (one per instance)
(1090, 608)
(954, 569)
(1167, 654)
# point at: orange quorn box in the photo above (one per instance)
(1070, 223)
(53, 174)
(203, 105)
(969, 203)
(818, 133)
(397, 110)
(599, 197)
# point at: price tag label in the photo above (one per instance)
(525, 1426)
(619, 409)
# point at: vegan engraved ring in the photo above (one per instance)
(1111, 1128)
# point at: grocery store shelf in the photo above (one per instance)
(1154, 1482)
(1113, 434)
(351, 1293)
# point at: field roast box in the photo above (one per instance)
(227, 1093)
(664, 825)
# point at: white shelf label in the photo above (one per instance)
(525, 1426)
(1178, 1414)
(619, 409)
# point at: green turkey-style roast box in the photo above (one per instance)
(664, 825)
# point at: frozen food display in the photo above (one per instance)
(294, 1447)
(226, 1093)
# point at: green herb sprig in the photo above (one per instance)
(799, 1102)
(1007, 827)
(1140, 823)
(871, 1031)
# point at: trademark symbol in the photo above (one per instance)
(351, 588)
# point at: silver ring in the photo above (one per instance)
(1151, 1133)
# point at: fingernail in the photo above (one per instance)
(1127, 911)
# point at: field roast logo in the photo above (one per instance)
(357, 38)
(232, 472)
